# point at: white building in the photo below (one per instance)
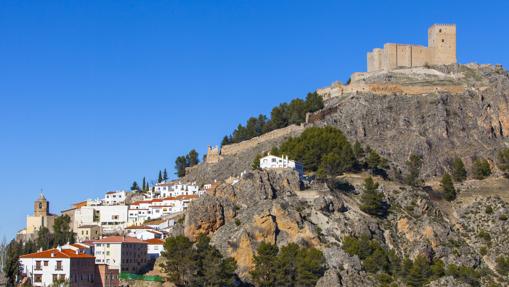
(172, 189)
(274, 162)
(141, 211)
(126, 254)
(53, 265)
(154, 248)
(111, 218)
(115, 197)
(144, 232)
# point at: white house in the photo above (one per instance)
(274, 162)
(111, 218)
(141, 211)
(46, 267)
(172, 189)
(154, 248)
(115, 197)
(144, 232)
(126, 254)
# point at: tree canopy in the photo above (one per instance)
(281, 116)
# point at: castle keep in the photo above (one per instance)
(441, 50)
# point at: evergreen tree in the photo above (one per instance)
(192, 158)
(299, 266)
(448, 187)
(134, 186)
(178, 260)
(11, 268)
(420, 272)
(459, 173)
(256, 162)
(358, 151)
(226, 140)
(481, 169)
(180, 166)
(160, 177)
(264, 273)
(372, 201)
(44, 238)
(414, 165)
(165, 175)
(62, 230)
(144, 184)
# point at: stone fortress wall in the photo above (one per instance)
(214, 154)
(441, 50)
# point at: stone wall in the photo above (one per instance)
(289, 131)
(213, 154)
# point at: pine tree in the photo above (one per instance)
(264, 273)
(180, 166)
(503, 160)
(459, 173)
(372, 201)
(358, 151)
(11, 268)
(144, 185)
(160, 177)
(62, 231)
(192, 158)
(134, 186)
(165, 175)
(448, 187)
(414, 165)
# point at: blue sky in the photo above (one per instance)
(96, 94)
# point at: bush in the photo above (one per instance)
(484, 235)
(448, 187)
(458, 171)
(414, 165)
(372, 201)
(503, 160)
(290, 266)
(481, 169)
(325, 148)
(503, 265)
(463, 273)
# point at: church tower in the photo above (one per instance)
(41, 206)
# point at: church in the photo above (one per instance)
(41, 218)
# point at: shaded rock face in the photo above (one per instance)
(438, 126)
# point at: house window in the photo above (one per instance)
(59, 265)
(55, 277)
(46, 263)
(38, 265)
(62, 277)
(38, 278)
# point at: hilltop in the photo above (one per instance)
(438, 113)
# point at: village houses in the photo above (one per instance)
(276, 162)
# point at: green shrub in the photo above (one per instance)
(448, 187)
(481, 169)
(503, 265)
(458, 171)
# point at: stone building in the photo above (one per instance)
(213, 154)
(41, 218)
(441, 50)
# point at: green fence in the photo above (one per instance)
(129, 276)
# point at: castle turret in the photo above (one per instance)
(41, 206)
(442, 41)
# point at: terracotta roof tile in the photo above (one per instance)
(119, 239)
(155, 241)
(55, 253)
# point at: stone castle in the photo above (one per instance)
(441, 50)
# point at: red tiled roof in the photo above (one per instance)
(119, 239)
(155, 241)
(65, 253)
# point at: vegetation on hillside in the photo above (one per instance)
(390, 267)
(481, 169)
(196, 264)
(281, 116)
(372, 201)
(458, 171)
(184, 161)
(449, 192)
(289, 266)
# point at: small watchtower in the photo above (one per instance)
(442, 42)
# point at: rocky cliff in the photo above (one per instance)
(467, 116)
(438, 113)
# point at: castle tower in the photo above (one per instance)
(442, 42)
(41, 206)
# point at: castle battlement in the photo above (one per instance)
(441, 50)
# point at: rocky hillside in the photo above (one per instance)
(439, 113)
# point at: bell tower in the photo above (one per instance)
(41, 206)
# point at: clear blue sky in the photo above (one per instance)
(96, 94)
